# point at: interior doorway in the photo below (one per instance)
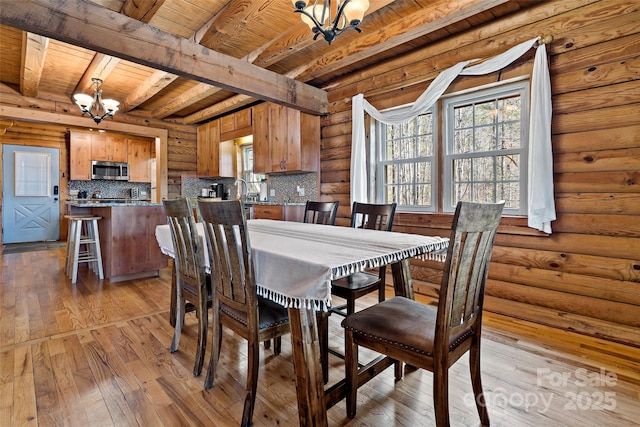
(30, 194)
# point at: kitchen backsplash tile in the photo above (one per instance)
(111, 189)
(285, 186)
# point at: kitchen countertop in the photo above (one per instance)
(83, 203)
(256, 202)
(276, 203)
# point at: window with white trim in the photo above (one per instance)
(407, 165)
(481, 156)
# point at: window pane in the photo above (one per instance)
(509, 135)
(508, 168)
(462, 192)
(483, 169)
(463, 141)
(485, 113)
(510, 193)
(425, 146)
(485, 139)
(509, 108)
(462, 170)
(423, 197)
(463, 117)
(484, 193)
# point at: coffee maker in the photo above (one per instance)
(217, 190)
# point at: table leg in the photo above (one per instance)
(308, 371)
(402, 281)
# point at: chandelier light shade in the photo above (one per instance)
(103, 107)
(329, 19)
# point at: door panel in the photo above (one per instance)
(30, 194)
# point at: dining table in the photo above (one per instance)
(294, 265)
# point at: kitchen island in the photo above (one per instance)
(127, 236)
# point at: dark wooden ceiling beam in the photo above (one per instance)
(117, 35)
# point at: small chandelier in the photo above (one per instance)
(103, 107)
(348, 14)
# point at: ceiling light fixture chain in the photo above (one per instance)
(103, 107)
(318, 16)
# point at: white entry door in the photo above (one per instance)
(30, 194)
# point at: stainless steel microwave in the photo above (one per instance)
(116, 171)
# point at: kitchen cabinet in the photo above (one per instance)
(214, 159)
(139, 159)
(278, 212)
(285, 140)
(236, 125)
(108, 147)
(79, 156)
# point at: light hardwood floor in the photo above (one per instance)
(97, 354)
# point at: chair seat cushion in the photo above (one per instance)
(356, 281)
(271, 313)
(400, 322)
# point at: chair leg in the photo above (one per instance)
(267, 344)
(351, 372)
(277, 345)
(252, 382)
(203, 328)
(441, 396)
(476, 383)
(351, 305)
(215, 354)
(174, 298)
(180, 308)
(398, 367)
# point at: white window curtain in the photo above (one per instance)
(541, 201)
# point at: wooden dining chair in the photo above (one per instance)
(192, 283)
(320, 212)
(236, 303)
(434, 338)
(376, 217)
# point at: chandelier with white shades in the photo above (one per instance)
(103, 107)
(329, 19)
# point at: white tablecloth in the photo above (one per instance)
(295, 262)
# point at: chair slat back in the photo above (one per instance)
(373, 216)
(466, 267)
(230, 255)
(189, 254)
(321, 212)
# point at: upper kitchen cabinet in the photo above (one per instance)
(87, 146)
(236, 125)
(108, 147)
(80, 156)
(139, 158)
(213, 158)
(285, 140)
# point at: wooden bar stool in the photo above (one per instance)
(83, 231)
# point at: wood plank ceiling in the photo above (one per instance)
(199, 59)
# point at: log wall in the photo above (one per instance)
(586, 275)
